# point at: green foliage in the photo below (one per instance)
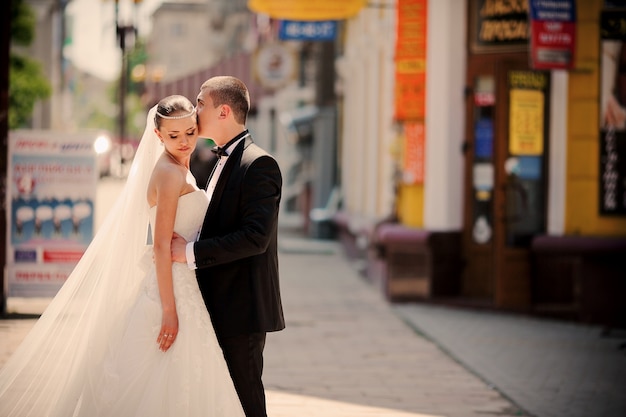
(27, 85)
(22, 23)
(135, 109)
(100, 120)
(27, 82)
(136, 56)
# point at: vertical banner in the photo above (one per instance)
(612, 154)
(527, 94)
(414, 150)
(526, 122)
(553, 34)
(410, 57)
(50, 199)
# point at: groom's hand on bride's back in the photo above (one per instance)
(178, 247)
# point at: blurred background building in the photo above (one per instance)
(460, 150)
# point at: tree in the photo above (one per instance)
(27, 82)
(137, 56)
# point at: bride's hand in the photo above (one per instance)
(169, 330)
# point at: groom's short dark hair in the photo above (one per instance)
(225, 89)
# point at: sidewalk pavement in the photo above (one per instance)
(550, 368)
(345, 352)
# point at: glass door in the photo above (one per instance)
(521, 175)
(505, 156)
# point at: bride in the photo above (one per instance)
(128, 334)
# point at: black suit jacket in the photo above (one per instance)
(236, 253)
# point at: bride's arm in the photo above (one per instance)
(168, 183)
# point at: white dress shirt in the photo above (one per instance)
(217, 171)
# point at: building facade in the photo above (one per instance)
(517, 203)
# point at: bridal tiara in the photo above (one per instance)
(182, 116)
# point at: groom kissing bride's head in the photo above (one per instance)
(179, 327)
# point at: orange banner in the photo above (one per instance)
(307, 9)
(414, 148)
(410, 60)
(410, 95)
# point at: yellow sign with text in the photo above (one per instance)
(526, 122)
(411, 66)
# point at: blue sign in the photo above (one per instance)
(553, 10)
(529, 167)
(29, 255)
(292, 30)
(483, 136)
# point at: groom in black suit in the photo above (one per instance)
(235, 255)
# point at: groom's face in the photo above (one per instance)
(207, 114)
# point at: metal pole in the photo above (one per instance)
(5, 40)
(123, 88)
(121, 36)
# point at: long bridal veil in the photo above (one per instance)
(59, 361)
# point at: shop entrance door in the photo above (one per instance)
(505, 160)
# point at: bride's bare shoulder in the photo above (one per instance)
(166, 177)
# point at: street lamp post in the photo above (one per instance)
(5, 42)
(122, 31)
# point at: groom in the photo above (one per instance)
(235, 256)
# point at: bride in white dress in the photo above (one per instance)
(128, 334)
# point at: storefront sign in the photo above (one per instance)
(52, 185)
(307, 9)
(526, 122)
(410, 60)
(612, 129)
(613, 25)
(292, 30)
(483, 136)
(613, 172)
(275, 65)
(498, 25)
(553, 34)
(526, 112)
(413, 172)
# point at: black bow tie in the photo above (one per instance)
(221, 150)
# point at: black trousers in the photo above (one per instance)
(244, 357)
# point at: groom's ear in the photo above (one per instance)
(225, 110)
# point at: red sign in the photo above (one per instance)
(552, 44)
(62, 256)
(552, 34)
(482, 99)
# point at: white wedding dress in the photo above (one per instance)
(191, 378)
(94, 351)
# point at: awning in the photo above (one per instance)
(307, 9)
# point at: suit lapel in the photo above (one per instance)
(233, 161)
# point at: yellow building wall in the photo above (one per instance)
(582, 202)
(411, 205)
